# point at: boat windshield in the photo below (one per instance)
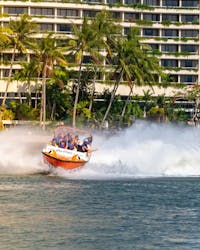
(72, 138)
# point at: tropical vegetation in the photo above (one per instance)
(62, 70)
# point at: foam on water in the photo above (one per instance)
(20, 151)
(144, 150)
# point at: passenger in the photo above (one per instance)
(68, 137)
(77, 141)
(63, 144)
(72, 144)
(87, 144)
(59, 138)
(53, 142)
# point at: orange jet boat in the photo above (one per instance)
(56, 156)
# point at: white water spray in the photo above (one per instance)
(20, 151)
(144, 150)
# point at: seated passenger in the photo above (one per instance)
(59, 138)
(53, 142)
(76, 140)
(69, 136)
(86, 146)
(63, 144)
(72, 145)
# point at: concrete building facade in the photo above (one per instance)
(170, 27)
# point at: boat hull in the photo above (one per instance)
(64, 163)
(64, 158)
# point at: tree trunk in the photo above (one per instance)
(112, 97)
(77, 95)
(43, 103)
(53, 110)
(195, 116)
(93, 91)
(9, 76)
(126, 103)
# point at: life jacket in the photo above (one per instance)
(62, 144)
(71, 146)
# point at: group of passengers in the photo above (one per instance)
(72, 142)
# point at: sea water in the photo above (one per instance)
(140, 190)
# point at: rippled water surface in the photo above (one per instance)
(48, 212)
(140, 190)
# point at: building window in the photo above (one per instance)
(66, 28)
(113, 1)
(189, 48)
(190, 3)
(131, 17)
(152, 2)
(150, 32)
(92, 1)
(132, 2)
(46, 27)
(116, 15)
(5, 72)
(170, 17)
(87, 59)
(188, 78)
(189, 33)
(20, 58)
(151, 17)
(189, 63)
(170, 33)
(170, 48)
(170, 3)
(7, 57)
(42, 12)
(189, 18)
(154, 46)
(90, 13)
(173, 78)
(126, 30)
(169, 63)
(67, 13)
(15, 10)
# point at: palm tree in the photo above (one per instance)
(133, 63)
(146, 97)
(5, 40)
(48, 55)
(57, 92)
(84, 41)
(28, 73)
(106, 32)
(20, 39)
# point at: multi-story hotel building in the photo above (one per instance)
(170, 27)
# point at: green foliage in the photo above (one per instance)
(59, 102)
(144, 22)
(24, 111)
(166, 23)
(83, 110)
(7, 114)
(156, 113)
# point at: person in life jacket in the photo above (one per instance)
(87, 145)
(62, 144)
(72, 145)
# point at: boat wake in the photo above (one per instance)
(143, 150)
(20, 151)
